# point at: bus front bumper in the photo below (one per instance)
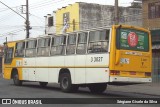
(129, 79)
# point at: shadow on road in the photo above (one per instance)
(86, 92)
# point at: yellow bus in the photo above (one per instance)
(91, 58)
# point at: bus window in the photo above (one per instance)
(19, 51)
(98, 41)
(58, 45)
(8, 55)
(131, 39)
(71, 44)
(31, 48)
(43, 47)
(82, 43)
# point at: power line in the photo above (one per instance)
(6, 17)
(41, 5)
(13, 10)
(14, 31)
(5, 9)
(36, 16)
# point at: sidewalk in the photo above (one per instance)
(146, 88)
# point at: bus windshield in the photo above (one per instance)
(131, 39)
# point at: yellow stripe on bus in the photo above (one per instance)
(58, 66)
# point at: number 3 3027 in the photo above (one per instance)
(96, 59)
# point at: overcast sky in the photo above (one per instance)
(12, 25)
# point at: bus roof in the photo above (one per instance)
(98, 28)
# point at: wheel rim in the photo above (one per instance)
(15, 79)
(64, 83)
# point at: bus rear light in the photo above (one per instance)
(114, 72)
(132, 73)
(147, 74)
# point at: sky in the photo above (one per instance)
(12, 25)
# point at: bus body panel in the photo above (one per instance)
(42, 73)
(55, 64)
(84, 71)
(131, 64)
(96, 68)
(127, 79)
(133, 61)
(86, 68)
(29, 68)
(7, 73)
(80, 72)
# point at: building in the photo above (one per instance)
(50, 25)
(1, 57)
(151, 21)
(80, 16)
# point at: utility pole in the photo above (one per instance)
(27, 19)
(116, 12)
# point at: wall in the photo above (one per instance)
(50, 29)
(149, 23)
(72, 12)
(95, 15)
(80, 16)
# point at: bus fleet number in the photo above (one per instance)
(96, 59)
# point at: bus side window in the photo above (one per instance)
(58, 45)
(98, 41)
(71, 44)
(43, 47)
(8, 55)
(82, 43)
(31, 48)
(19, 51)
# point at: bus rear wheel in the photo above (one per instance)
(43, 84)
(97, 88)
(66, 84)
(16, 80)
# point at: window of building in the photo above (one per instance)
(98, 41)
(71, 44)
(8, 55)
(31, 48)
(58, 45)
(50, 21)
(43, 47)
(154, 10)
(82, 43)
(19, 51)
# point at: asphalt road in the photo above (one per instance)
(33, 90)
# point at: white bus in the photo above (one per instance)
(91, 58)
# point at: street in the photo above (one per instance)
(33, 90)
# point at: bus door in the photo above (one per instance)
(8, 61)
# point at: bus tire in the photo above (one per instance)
(66, 84)
(16, 80)
(97, 88)
(43, 84)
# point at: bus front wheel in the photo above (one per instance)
(16, 80)
(97, 88)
